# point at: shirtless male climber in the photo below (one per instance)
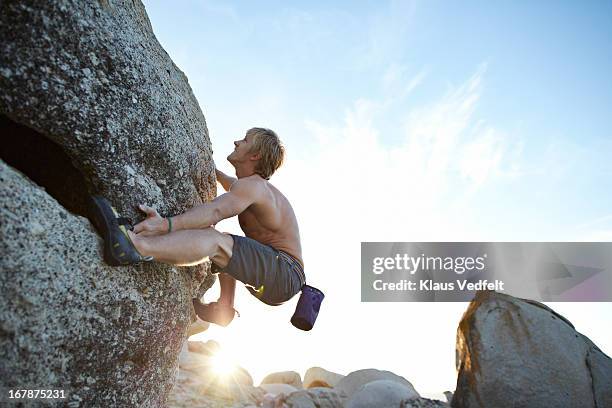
(268, 260)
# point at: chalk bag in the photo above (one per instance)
(307, 308)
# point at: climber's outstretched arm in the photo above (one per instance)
(243, 193)
(239, 198)
(225, 180)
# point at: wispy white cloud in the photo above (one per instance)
(398, 83)
(481, 158)
(443, 148)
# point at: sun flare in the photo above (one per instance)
(222, 363)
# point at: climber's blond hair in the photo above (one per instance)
(269, 146)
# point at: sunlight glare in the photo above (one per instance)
(222, 363)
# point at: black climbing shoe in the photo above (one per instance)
(214, 312)
(118, 248)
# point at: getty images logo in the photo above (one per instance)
(413, 264)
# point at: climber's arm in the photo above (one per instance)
(239, 198)
(225, 180)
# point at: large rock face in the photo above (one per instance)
(519, 353)
(91, 103)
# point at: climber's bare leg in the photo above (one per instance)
(228, 289)
(186, 247)
(191, 247)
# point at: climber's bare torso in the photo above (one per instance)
(270, 218)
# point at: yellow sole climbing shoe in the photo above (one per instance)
(118, 248)
(214, 312)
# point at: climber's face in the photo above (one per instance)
(243, 151)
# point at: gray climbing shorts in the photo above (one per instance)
(271, 275)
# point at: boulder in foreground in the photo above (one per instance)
(514, 352)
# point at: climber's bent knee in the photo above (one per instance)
(223, 246)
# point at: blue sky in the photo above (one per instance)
(546, 83)
(409, 121)
(556, 55)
